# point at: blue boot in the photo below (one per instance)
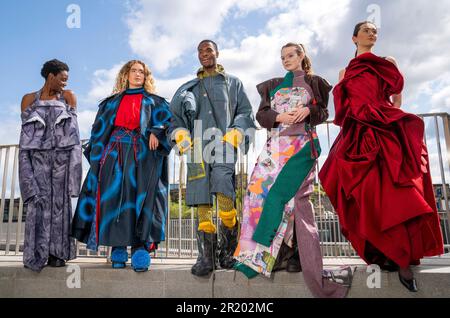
(119, 257)
(140, 260)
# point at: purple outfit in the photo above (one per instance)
(49, 175)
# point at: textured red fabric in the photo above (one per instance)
(128, 114)
(374, 175)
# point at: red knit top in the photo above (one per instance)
(128, 114)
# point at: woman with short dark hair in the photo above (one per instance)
(49, 168)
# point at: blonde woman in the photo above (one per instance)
(123, 198)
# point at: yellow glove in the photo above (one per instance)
(183, 140)
(228, 218)
(207, 227)
(233, 137)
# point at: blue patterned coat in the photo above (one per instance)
(151, 170)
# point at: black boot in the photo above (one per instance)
(284, 255)
(228, 241)
(206, 243)
(293, 263)
(54, 261)
(409, 283)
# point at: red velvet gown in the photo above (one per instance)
(374, 175)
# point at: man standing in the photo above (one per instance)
(215, 110)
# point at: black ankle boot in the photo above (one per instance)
(293, 264)
(205, 264)
(410, 284)
(228, 241)
(284, 254)
(54, 261)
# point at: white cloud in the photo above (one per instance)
(11, 124)
(161, 31)
(257, 58)
(85, 120)
(246, 6)
(439, 94)
(102, 85)
(319, 18)
(418, 37)
(167, 87)
(10, 131)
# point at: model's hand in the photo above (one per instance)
(301, 113)
(183, 140)
(153, 142)
(286, 118)
(424, 164)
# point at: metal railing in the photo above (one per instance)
(180, 226)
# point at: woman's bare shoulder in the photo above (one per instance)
(341, 74)
(27, 100)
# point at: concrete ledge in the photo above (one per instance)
(172, 278)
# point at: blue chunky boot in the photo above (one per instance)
(119, 257)
(140, 260)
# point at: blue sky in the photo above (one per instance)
(164, 33)
(35, 31)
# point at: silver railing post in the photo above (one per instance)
(19, 226)
(3, 194)
(180, 204)
(11, 200)
(168, 231)
(192, 231)
(441, 166)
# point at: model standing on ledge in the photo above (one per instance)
(123, 201)
(278, 217)
(377, 174)
(49, 168)
(213, 109)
